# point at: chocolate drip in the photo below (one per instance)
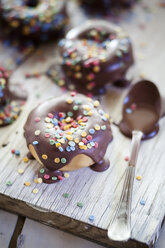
(102, 165)
(30, 156)
(49, 176)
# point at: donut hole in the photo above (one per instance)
(97, 34)
(32, 3)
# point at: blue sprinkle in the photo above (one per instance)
(128, 111)
(17, 152)
(61, 149)
(143, 202)
(91, 218)
(92, 143)
(91, 131)
(68, 149)
(71, 143)
(104, 118)
(35, 142)
(101, 112)
(72, 148)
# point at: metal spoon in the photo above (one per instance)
(141, 113)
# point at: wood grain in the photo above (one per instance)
(99, 192)
(8, 222)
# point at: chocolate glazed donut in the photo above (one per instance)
(105, 5)
(10, 103)
(96, 54)
(35, 20)
(67, 133)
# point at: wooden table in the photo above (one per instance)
(99, 192)
(19, 232)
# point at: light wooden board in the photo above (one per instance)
(7, 226)
(99, 192)
(46, 236)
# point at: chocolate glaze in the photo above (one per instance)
(141, 110)
(105, 6)
(96, 142)
(95, 54)
(10, 102)
(101, 165)
(33, 19)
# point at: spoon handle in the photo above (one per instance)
(120, 226)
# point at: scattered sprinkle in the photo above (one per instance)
(9, 183)
(143, 202)
(80, 204)
(91, 218)
(35, 191)
(27, 184)
(139, 178)
(25, 159)
(20, 171)
(65, 195)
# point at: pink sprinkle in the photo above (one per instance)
(96, 144)
(73, 93)
(79, 117)
(89, 137)
(46, 176)
(47, 135)
(85, 119)
(84, 140)
(50, 115)
(60, 178)
(37, 119)
(126, 158)
(96, 62)
(133, 106)
(89, 95)
(92, 75)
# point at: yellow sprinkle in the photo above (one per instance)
(96, 103)
(61, 82)
(106, 115)
(83, 134)
(25, 159)
(14, 24)
(76, 140)
(69, 137)
(20, 171)
(35, 191)
(27, 184)
(66, 175)
(68, 119)
(86, 107)
(78, 75)
(69, 101)
(96, 68)
(69, 132)
(49, 125)
(38, 180)
(47, 119)
(26, 30)
(62, 141)
(90, 113)
(89, 99)
(57, 160)
(97, 127)
(139, 178)
(66, 127)
(58, 145)
(44, 156)
(37, 132)
(77, 68)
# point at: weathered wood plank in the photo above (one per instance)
(47, 236)
(7, 225)
(98, 191)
